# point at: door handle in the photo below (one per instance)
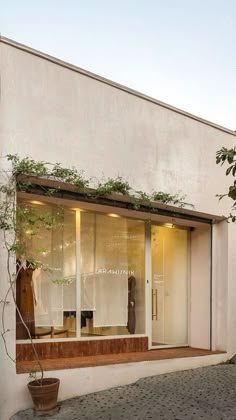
(154, 304)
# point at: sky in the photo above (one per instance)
(182, 52)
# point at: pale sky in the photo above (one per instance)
(182, 52)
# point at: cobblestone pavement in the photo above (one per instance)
(204, 393)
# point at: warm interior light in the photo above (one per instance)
(169, 225)
(76, 209)
(113, 215)
(39, 203)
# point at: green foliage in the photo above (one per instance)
(140, 197)
(19, 222)
(23, 221)
(27, 166)
(117, 185)
(70, 176)
(23, 186)
(166, 198)
(228, 157)
(26, 221)
(232, 191)
(6, 217)
(8, 189)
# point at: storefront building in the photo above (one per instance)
(134, 280)
(118, 273)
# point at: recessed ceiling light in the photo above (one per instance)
(39, 203)
(169, 225)
(76, 209)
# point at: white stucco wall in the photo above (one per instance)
(200, 277)
(221, 254)
(59, 115)
(52, 113)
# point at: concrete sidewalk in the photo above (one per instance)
(205, 393)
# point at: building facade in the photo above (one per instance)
(135, 280)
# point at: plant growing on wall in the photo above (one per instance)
(20, 222)
(109, 186)
(17, 225)
(227, 157)
(16, 220)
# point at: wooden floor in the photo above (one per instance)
(111, 359)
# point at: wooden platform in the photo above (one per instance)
(111, 359)
(80, 348)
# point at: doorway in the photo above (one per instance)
(169, 286)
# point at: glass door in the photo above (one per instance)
(169, 286)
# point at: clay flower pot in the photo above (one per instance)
(44, 393)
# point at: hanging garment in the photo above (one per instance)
(24, 300)
(55, 282)
(48, 308)
(131, 304)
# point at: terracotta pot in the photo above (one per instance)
(44, 393)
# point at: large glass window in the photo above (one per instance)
(46, 287)
(92, 279)
(112, 274)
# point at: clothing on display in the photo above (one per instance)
(24, 300)
(131, 304)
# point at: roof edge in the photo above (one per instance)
(109, 82)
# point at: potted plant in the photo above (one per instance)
(44, 392)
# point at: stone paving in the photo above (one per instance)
(204, 393)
